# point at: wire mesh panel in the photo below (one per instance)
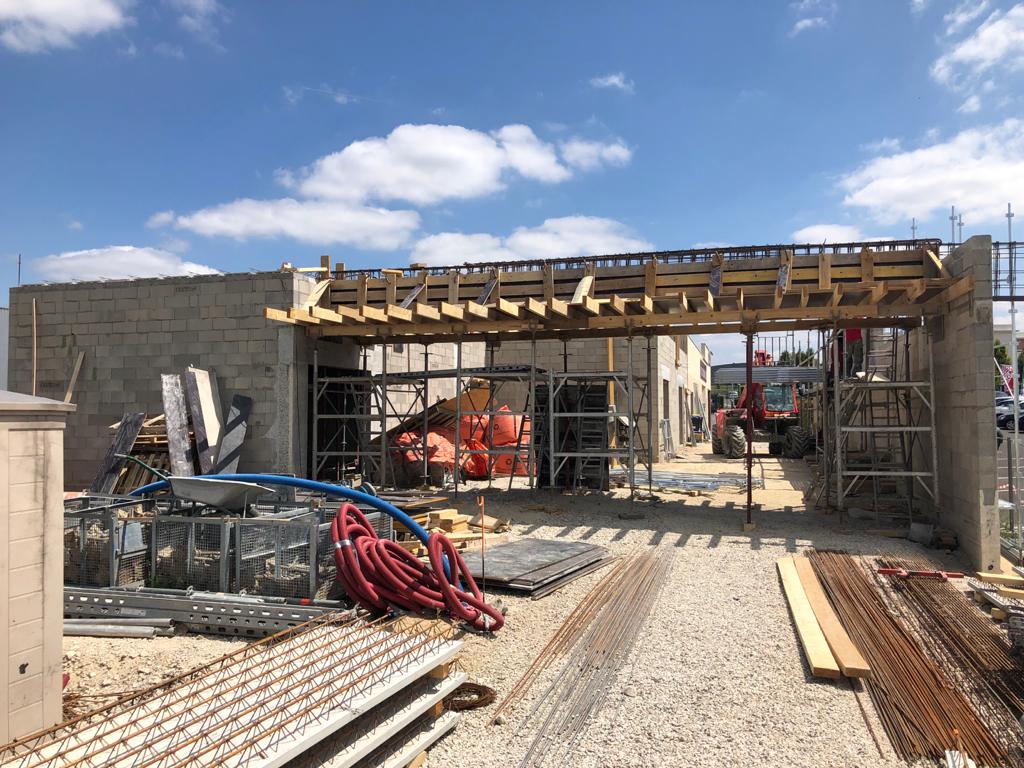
(273, 556)
(106, 545)
(192, 552)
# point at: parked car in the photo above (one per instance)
(1004, 410)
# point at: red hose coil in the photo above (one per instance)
(378, 573)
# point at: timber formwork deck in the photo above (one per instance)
(780, 287)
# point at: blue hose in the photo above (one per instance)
(336, 491)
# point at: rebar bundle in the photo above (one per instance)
(921, 710)
(578, 692)
(964, 640)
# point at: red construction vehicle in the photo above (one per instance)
(776, 417)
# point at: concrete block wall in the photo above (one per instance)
(965, 414)
(133, 330)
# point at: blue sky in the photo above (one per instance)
(177, 136)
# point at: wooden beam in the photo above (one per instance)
(303, 316)
(936, 262)
(715, 278)
(548, 276)
(961, 287)
(506, 307)
(684, 304)
(816, 650)
(452, 311)
(651, 277)
(361, 290)
(475, 309)
(558, 307)
(279, 315)
(399, 314)
(453, 288)
(1002, 579)
(535, 307)
(646, 303)
(585, 287)
(875, 294)
(390, 287)
(325, 266)
(317, 293)
(847, 656)
(426, 311)
(837, 295)
(805, 297)
(589, 305)
(914, 292)
(374, 314)
(824, 270)
(867, 265)
(739, 298)
(70, 391)
(339, 314)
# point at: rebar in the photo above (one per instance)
(922, 712)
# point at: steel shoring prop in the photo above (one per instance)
(214, 724)
(750, 427)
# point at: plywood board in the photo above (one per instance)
(234, 434)
(207, 420)
(819, 655)
(179, 444)
(847, 655)
(124, 439)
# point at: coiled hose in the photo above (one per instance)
(378, 573)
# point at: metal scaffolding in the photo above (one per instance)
(881, 426)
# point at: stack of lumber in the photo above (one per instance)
(151, 447)
(827, 647)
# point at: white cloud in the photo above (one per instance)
(712, 244)
(309, 221)
(293, 93)
(616, 80)
(918, 6)
(588, 155)
(160, 219)
(828, 233)
(199, 18)
(811, 22)
(997, 42)
(116, 262)
(34, 26)
(76, 225)
(977, 170)
(418, 164)
(169, 50)
(882, 146)
(530, 156)
(966, 12)
(564, 237)
(971, 105)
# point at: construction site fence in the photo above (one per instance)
(125, 545)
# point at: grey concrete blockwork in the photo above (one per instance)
(965, 437)
(132, 331)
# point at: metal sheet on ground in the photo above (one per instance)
(530, 563)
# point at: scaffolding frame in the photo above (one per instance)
(887, 449)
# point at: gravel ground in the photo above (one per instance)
(717, 676)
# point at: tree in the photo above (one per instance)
(1001, 355)
(785, 358)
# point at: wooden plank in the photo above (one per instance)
(584, 287)
(1009, 592)
(535, 307)
(279, 315)
(373, 314)
(316, 294)
(426, 311)
(179, 445)
(399, 314)
(295, 313)
(506, 307)
(816, 650)
(340, 314)
(867, 265)
(234, 434)
(558, 307)
(475, 309)
(452, 311)
(110, 469)
(1002, 579)
(824, 271)
(847, 655)
(453, 288)
(207, 420)
(70, 391)
(936, 263)
(715, 278)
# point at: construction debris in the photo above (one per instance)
(528, 565)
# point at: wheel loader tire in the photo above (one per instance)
(716, 443)
(735, 442)
(775, 448)
(797, 443)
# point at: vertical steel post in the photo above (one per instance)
(632, 417)
(383, 413)
(316, 417)
(552, 410)
(837, 390)
(426, 417)
(822, 358)
(750, 427)
(457, 470)
(650, 419)
(531, 456)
